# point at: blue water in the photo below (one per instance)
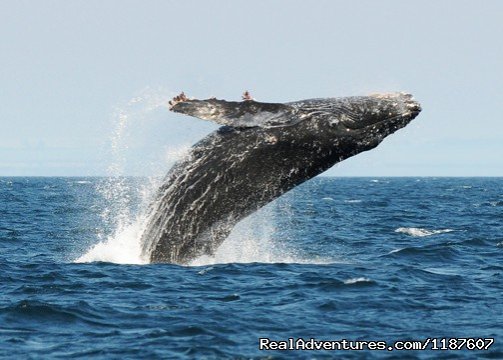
(364, 259)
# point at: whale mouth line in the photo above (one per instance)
(407, 117)
(394, 120)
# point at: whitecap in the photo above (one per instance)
(419, 232)
(395, 251)
(441, 271)
(205, 270)
(357, 280)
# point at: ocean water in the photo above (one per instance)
(384, 259)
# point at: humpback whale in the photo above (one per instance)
(261, 151)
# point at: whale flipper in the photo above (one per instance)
(240, 114)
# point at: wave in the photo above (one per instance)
(420, 232)
(53, 314)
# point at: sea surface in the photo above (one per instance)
(367, 259)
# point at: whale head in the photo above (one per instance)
(343, 127)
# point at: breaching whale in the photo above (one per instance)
(261, 151)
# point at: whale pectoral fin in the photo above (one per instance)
(247, 113)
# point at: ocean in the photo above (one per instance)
(404, 261)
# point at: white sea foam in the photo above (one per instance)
(357, 280)
(395, 251)
(442, 270)
(419, 232)
(353, 201)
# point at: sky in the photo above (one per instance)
(84, 84)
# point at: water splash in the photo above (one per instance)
(123, 247)
(250, 241)
(125, 199)
(254, 240)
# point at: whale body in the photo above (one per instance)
(261, 151)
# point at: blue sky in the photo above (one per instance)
(74, 73)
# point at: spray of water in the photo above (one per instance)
(126, 199)
(254, 240)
